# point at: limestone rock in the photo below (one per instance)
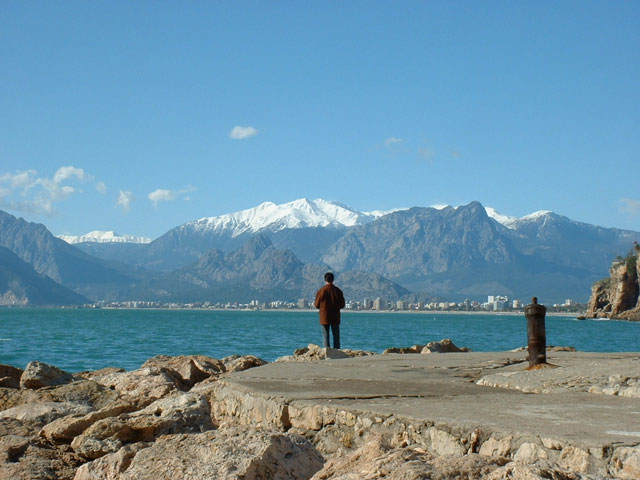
(12, 447)
(221, 454)
(625, 463)
(39, 375)
(574, 459)
(84, 392)
(377, 460)
(539, 471)
(530, 453)
(43, 413)
(37, 461)
(312, 353)
(443, 346)
(150, 383)
(618, 296)
(10, 376)
(181, 412)
(444, 443)
(496, 448)
(65, 429)
(191, 368)
(91, 374)
(237, 363)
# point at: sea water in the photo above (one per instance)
(88, 339)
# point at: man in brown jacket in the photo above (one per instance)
(329, 299)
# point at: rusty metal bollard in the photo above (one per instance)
(536, 333)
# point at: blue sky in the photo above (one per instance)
(123, 115)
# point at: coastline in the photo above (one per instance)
(324, 414)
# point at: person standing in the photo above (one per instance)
(329, 301)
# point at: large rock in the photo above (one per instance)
(618, 296)
(149, 383)
(541, 470)
(221, 454)
(238, 363)
(36, 461)
(443, 346)
(10, 376)
(625, 463)
(181, 412)
(313, 353)
(377, 460)
(85, 392)
(39, 375)
(191, 368)
(65, 429)
(43, 413)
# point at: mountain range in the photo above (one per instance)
(280, 251)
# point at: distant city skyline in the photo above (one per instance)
(139, 117)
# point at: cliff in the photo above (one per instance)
(618, 296)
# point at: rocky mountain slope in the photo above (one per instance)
(63, 263)
(260, 271)
(20, 284)
(618, 296)
(463, 253)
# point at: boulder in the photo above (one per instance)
(377, 460)
(237, 363)
(541, 470)
(85, 392)
(10, 376)
(65, 429)
(34, 460)
(443, 346)
(625, 463)
(192, 369)
(39, 375)
(150, 383)
(225, 454)
(313, 353)
(413, 349)
(179, 413)
(43, 413)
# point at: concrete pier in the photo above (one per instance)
(582, 415)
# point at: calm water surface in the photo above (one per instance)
(83, 339)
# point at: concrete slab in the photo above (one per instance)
(442, 388)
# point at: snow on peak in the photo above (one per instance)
(299, 213)
(513, 222)
(98, 236)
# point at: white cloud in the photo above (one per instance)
(166, 195)
(392, 140)
(101, 187)
(240, 133)
(18, 179)
(630, 206)
(25, 191)
(161, 195)
(64, 173)
(124, 200)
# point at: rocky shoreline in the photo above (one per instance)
(198, 417)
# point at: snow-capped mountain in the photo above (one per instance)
(301, 213)
(98, 236)
(513, 223)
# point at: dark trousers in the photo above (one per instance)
(335, 329)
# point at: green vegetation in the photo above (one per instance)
(631, 259)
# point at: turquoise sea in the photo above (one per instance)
(86, 339)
